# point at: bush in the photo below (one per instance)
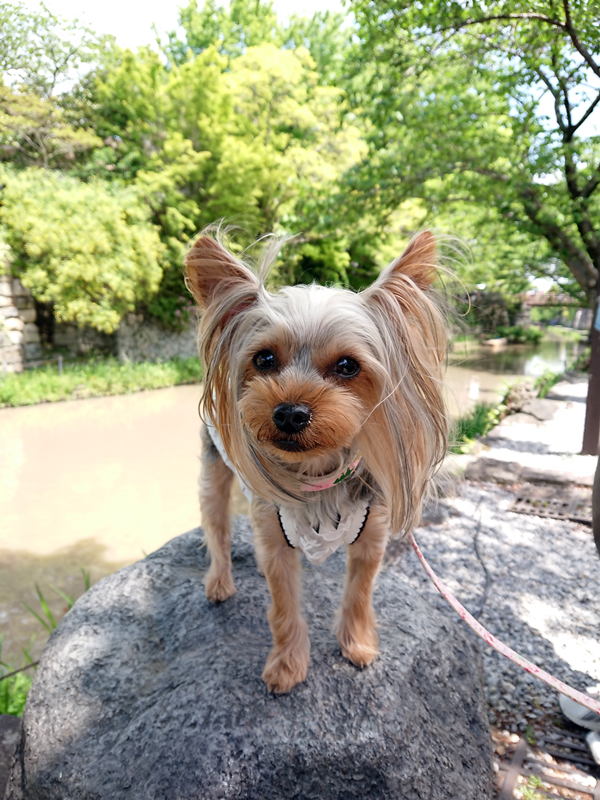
(88, 248)
(517, 334)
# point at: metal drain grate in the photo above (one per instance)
(563, 768)
(548, 501)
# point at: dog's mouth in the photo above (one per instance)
(289, 445)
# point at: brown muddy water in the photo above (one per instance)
(98, 483)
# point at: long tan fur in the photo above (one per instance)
(391, 412)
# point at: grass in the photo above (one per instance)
(477, 423)
(565, 334)
(95, 378)
(15, 688)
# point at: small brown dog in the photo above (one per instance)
(328, 405)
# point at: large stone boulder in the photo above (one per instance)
(148, 691)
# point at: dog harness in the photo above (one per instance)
(318, 543)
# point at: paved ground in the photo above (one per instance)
(533, 582)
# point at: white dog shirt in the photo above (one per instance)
(316, 544)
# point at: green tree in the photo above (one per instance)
(34, 132)
(87, 248)
(244, 24)
(327, 36)
(41, 51)
(493, 106)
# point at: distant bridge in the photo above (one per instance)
(548, 299)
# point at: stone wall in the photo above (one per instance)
(140, 339)
(80, 341)
(19, 335)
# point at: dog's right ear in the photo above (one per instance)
(213, 273)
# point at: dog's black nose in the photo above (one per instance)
(291, 417)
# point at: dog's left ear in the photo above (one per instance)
(417, 262)
(213, 273)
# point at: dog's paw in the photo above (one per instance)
(219, 585)
(285, 668)
(360, 651)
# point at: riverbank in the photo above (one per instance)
(532, 581)
(101, 377)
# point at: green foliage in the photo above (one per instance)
(328, 38)
(517, 334)
(546, 381)
(13, 691)
(474, 425)
(46, 618)
(33, 131)
(95, 378)
(234, 29)
(40, 50)
(325, 262)
(468, 129)
(87, 248)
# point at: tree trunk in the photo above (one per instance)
(596, 507)
(591, 433)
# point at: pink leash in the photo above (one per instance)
(561, 687)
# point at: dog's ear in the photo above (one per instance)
(213, 273)
(417, 262)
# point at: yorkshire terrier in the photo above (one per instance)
(328, 406)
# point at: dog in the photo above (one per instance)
(328, 405)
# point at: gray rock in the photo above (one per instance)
(542, 409)
(9, 736)
(490, 469)
(147, 691)
(532, 475)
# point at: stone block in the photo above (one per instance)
(31, 332)
(9, 311)
(33, 351)
(5, 301)
(5, 287)
(27, 314)
(542, 409)
(18, 289)
(22, 302)
(146, 690)
(532, 475)
(15, 337)
(14, 324)
(12, 354)
(493, 470)
(65, 336)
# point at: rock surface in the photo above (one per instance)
(147, 691)
(9, 736)
(542, 409)
(490, 469)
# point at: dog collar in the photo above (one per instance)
(327, 484)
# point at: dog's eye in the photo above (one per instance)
(264, 360)
(347, 367)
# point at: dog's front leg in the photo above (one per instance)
(287, 663)
(356, 620)
(215, 491)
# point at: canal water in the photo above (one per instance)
(97, 483)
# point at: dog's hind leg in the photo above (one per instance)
(356, 620)
(287, 663)
(215, 491)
